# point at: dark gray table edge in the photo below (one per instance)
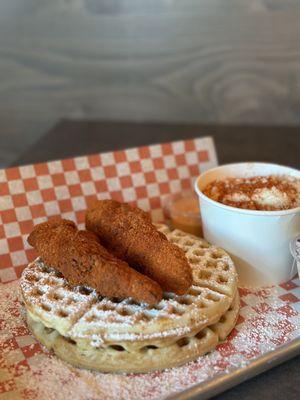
(223, 382)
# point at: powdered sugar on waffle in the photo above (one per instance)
(98, 319)
(98, 342)
(267, 320)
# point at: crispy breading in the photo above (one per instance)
(130, 235)
(82, 260)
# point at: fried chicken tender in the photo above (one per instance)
(82, 260)
(130, 235)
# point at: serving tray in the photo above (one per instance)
(268, 328)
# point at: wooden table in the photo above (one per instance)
(234, 143)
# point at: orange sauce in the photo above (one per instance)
(185, 215)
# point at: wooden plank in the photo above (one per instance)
(209, 61)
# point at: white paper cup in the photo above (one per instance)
(258, 241)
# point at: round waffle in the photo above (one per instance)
(112, 335)
(118, 359)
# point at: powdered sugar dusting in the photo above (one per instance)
(108, 319)
(10, 312)
(268, 318)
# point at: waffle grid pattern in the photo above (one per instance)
(93, 321)
(260, 312)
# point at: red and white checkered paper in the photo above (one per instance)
(142, 176)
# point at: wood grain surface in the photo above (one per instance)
(209, 61)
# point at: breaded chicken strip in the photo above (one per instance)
(130, 235)
(79, 256)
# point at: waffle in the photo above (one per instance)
(121, 335)
(118, 359)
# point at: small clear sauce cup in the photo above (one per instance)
(183, 211)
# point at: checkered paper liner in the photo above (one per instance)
(143, 176)
(268, 318)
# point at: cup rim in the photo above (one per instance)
(257, 213)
